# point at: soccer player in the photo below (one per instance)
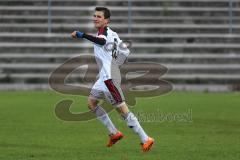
(108, 86)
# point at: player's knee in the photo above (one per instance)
(123, 111)
(92, 104)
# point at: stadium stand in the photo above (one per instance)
(190, 38)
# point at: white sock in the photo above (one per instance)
(133, 123)
(104, 118)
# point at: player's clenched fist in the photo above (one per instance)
(77, 34)
(73, 34)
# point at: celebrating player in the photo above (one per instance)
(108, 86)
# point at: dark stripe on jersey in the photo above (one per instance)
(113, 90)
(103, 31)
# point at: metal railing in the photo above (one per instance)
(230, 14)
(129, 16)
(49, 16)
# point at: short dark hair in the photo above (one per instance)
(106, 11)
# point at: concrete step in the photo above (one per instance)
(115, 8)
(134, 38)
(122, 0)
(124, 35)
(191, 60)
(23, 87)
(176, 87)
(118, 3)
(148, 3)
(81, 47)
(136, 56)
(38, 58)
(123, 11)
(122, 28)
(175, 79)
(202, 78)
(173, 68)
(113, 17)
(159, 20)
(202, 87)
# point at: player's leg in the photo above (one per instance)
(134, 124)
(93, 104)
(101, 114)
(95, 95)
(117, 99)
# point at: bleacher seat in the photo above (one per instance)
(191, 38)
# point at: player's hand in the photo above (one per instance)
(73, 34)
(77, 34)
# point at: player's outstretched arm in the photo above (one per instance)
(97, 40)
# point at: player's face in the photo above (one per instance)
(99, 20)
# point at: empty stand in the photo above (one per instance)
(190, 38)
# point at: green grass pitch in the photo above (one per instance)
(30, 130)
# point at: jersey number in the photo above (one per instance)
(114, 49)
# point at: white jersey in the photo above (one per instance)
(106, 55)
